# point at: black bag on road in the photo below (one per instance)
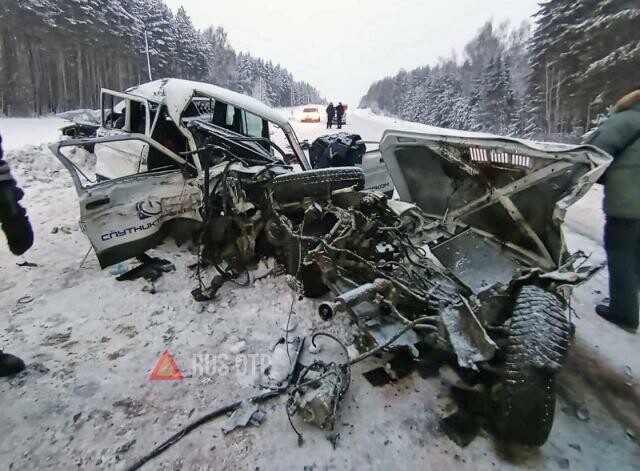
(337, 150)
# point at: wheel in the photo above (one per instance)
(319, 183)
(537, 342)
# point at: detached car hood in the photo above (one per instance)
(514, 191)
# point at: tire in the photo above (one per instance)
(538, 339)
(316, 183)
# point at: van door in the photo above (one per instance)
(122, 114)
(125, 216)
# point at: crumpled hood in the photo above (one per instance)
(512, 190)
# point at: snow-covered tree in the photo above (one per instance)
(56, 55)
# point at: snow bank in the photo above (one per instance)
(20, 132)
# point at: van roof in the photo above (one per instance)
(177, 93)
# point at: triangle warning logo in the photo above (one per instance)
(166, 368)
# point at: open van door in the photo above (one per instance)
(125, 216)
(122, 114)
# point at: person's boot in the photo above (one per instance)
(607, 314)
(10, 364)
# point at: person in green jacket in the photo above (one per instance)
(620, 137)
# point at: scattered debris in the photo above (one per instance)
(54, 230)
(377, 377)
(318, 391)
(247, 413)
(169, 335)
(65, 229)
(150, 268)
(582, 413)
(461, 427)
(149, 288)
(314, 349)
(575, 446)
(453, 378)
(27, 264)
(630, 433)
(628, 371)
(265, 395)
(25, 300)
(125, 447)
(333, 438)
(401, 365)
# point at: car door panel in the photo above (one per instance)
(122, 218)
(376, 175)
(125, 216)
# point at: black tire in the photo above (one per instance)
(316, 183)
(537, 343)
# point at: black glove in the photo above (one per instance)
(15, 222)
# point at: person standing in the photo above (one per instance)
(620, 137)
(19, 234)
(331, 112)
(339, 114)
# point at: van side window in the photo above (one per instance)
(137, 117)
(112, 117)
(254, 126)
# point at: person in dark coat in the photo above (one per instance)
(331, 112)
(339, 114)
(17, 229)
(620, 137)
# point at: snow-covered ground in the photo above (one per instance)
(91, 342)
(20, 132)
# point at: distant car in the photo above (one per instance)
(310, 115)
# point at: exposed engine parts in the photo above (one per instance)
(318, 390)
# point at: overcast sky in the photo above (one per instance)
(342, 46)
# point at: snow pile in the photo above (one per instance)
(17, 133)
(37, 164)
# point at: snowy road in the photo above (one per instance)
(92, 342)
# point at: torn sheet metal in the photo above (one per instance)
(247, 413)
(478, 263)
(469, 340)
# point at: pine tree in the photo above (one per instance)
(56, 56)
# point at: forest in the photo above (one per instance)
(554, 79)
(56, 55)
